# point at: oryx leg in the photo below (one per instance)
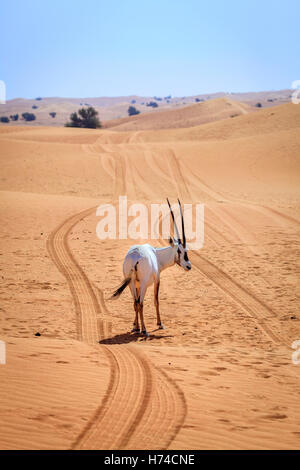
(141, 308)
(156, 303)
(135, 294)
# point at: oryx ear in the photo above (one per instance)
(171, 241)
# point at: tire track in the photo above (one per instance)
(196, 182)
(124, 363)
(178, 178)
(116, 170)
(255, 308)
(87, 307)
(124, 404)
(138, 394)
(219, 238)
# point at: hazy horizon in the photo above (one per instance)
(147, 96)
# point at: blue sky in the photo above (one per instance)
(91, 48)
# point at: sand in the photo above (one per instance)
(186, 116)
(220, 376)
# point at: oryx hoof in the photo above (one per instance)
(161, 327)
(135, 330)
(145, 333)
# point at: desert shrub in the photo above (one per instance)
(34, 107)
(157, 98)
(168, 97)
(39, 98)
(258, 105)
(199, 100)
(28, 116)
(52, 114)
(4, 119)
(86, 118)
(153, 104)
(132, 111)
(14, 117)
(133, 101)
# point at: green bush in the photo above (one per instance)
(4, 119)
(132, 111)
(153, 104)
(28, 116)
(86, 118)
(52, 114)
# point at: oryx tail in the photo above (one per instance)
(125, 283)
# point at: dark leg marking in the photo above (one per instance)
(156, 302)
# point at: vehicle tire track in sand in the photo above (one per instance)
(178, 178)
(255, 308)
(132, 404)
(118, 174)
(195, 181)
(87, 307)
(124, 404)
(125, 365)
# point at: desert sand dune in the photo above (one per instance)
(221, 374)
(265, 121)
(188, 116)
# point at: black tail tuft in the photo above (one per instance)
(120, 289)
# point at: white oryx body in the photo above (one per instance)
(142, 261)
(142, 267)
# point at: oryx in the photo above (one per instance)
(142, 267)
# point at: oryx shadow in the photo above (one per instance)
(129, 337)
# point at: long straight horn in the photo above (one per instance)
(182, 225)
(174, 222)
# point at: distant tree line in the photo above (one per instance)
(15, 117)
